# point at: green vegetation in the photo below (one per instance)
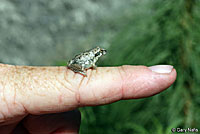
(160, 32)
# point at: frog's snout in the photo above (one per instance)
(103, 51)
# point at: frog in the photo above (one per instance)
(86, 60)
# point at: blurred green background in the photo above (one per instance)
(135, 32)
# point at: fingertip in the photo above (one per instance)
(173, 75)
(141, 81)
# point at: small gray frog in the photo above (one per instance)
(86, 60)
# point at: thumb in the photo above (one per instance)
(39, 90)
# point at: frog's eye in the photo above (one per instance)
(97, 54)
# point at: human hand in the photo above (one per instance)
(42, 100)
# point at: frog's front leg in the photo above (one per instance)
(94, 66)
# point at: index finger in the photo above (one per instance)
(55, 89)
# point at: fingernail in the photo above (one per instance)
(161, 68)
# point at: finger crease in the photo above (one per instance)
(89, 77)
(65, 86)
(122, 81)
(66, 78)
(5, 100)
(78, 92)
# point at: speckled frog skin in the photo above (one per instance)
(81, 62)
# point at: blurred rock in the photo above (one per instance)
(41, 32)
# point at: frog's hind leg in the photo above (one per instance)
(77, 69)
